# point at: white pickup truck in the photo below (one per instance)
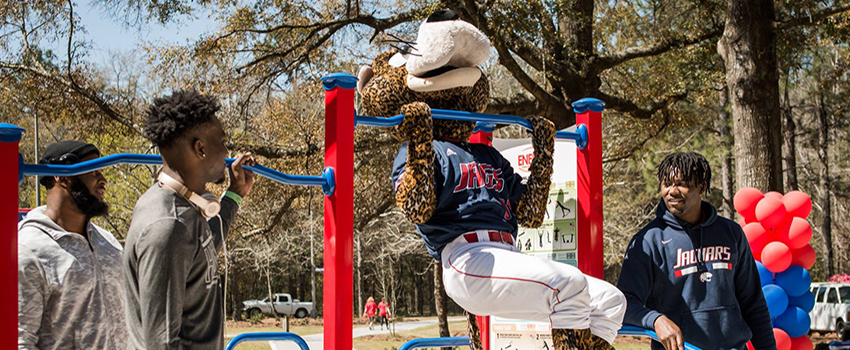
(831, 312)
(283, 305)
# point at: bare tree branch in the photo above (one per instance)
(86, 93)
(625, 106)
(630, 153)
(607, 62)
(813, 18)
(277, 152)
(519, 104)
(331, 27)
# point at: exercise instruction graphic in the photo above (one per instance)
(555, 239)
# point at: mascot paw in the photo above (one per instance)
(543, 134)
(416, 126)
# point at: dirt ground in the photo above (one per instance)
(821, 339)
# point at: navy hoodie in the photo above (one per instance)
(702, 277)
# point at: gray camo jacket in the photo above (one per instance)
(69, 292)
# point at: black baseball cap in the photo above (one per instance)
(66, 153)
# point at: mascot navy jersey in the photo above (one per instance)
(475, 189)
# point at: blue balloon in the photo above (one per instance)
(795, 280)
(777, 300)
(805, 301)
(765, 275)
(794, 321)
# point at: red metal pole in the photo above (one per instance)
(339, 211)
(10, 135)
(483, 134)
(589, 177)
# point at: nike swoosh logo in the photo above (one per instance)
(667, 241)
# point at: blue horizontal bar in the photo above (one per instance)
(325, 181)
(642, 332)
(435, 343)
(269, 336)
(579, 136)
(91, 165)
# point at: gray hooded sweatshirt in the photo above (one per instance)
(174, 299)
(69, 289)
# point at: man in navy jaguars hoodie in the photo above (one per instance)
(689, 274)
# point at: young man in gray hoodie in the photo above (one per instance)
(69, 270)
(174, 299)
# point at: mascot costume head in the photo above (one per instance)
(440, 70)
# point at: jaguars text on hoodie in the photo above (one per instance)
(702, 277)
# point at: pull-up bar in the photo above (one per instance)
(579, 136)
(326, 180)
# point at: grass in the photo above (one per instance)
(388, 342)
(255, 345)
(264, 345)
(300, 330)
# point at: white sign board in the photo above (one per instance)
(554, 240)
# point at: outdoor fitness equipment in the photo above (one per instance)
(337, 183)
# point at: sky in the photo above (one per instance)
(108, 34)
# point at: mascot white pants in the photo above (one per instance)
(494, 278)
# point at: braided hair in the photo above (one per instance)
(689, 166)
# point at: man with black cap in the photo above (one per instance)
(70, 279)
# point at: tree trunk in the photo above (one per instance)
(236, 299)
(789, 128)
(359, 276)
(825, 186)
(271, 296)
(440, 301)
(748, 48)
(726, 144)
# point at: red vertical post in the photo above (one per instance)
(483, 134)
(10, 136)
(589, 181)
(339, 211)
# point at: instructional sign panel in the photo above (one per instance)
(555, 240)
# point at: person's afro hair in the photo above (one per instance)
(170, 117)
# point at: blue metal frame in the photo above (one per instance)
(435, 343)
(270, 336)
(641, 332)
(326, 180)
(464, 341)
(579, 136)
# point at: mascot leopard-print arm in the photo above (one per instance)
(415, 194)
(531, 206)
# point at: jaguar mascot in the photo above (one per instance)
(464, 198)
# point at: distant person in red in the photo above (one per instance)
(384, 313)
(369, 311)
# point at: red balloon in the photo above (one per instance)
(774, 195)
(758, 238)
(801, 343)
(783, 341)
(776, 257)
(804, 256)
(795, 233)
(770, 212)
(745, 202)
(797, 203)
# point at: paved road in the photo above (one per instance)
(315, 340)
